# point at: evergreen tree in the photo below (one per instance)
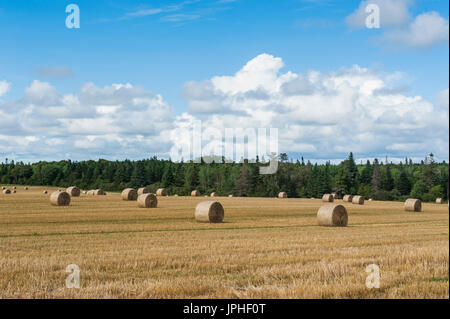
(376, 176)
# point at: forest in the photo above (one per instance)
(426, 180)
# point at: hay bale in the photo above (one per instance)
(332, 215)
(73, 191)
(14, 191)
(161, 192)
(91, 192)
(209, 212)
(129, 194)
(25, 188)
(143, 190)
(282, 195)
(99, 192)
(439, 201)
(3, 188)
(334, 195)
(147, 200)
(6, 191)
(230, 195)
(60, 199)
(45, 192)
(84, 192)
(413, 205)
(370, 199)
(176, 195)
(213, 194)
(195, 193)
(348, 198)
(327, 198)
(358, 200)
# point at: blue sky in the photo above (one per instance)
(162, 46)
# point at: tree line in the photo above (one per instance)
(426, 180)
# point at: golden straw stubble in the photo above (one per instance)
(147, 200)
(209, 212)
(332, 215)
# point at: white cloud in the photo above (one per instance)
(4, 87)
(399, 28)
(426, 30)
(392, 13)
(321, 114)
(443, 100)
(115, 121)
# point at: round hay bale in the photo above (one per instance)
(14, 191)
(99, 192)
(3, 188)
(213, 194)
(439, 201)
(347, 198)
(45, 192)
(209, 212)
(25, 188)
(60, 199)
(282, 195)
(147, 200)
(327, 198)
(332, 215)
(129, 194)
(195, 193)
(358, 200)
(73, 191)
(413, 205)
(143, 190)
(176, 195)
(6, 191)
(370, 199)
(14, 187)
(230, 195)
(91, 192)
(161, 192)
(334, 195)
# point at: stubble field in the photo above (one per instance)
(266, 248)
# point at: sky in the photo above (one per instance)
(136, 73)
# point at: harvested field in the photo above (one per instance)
(265, 248)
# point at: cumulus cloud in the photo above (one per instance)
(399, 28)
(426, 30)
(392, 13)
(115, 121)
(320, 114)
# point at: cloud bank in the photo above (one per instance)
(320, 115)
